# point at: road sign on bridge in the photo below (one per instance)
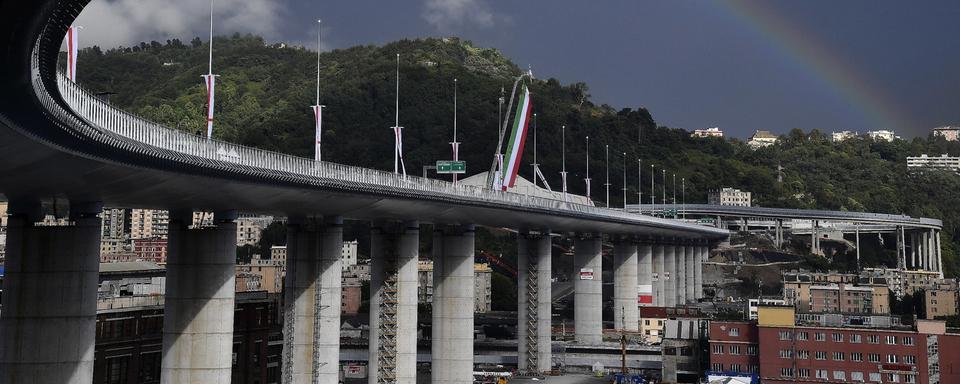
(451, 166)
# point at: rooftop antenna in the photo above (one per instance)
(210, 80)
(455, 144)
(318, 108)
(398, 130)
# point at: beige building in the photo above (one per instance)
(842, 136)
(148, 223)
(3, 214)
(482, 289)
(653, 320)
(903, 282)
(949, 133)
(259, 277)
(815, 292)
(709, 132)
(249, 229)
(729, 196)
(941, 299)
(762, 138)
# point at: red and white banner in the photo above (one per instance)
(318, 119)
(211, 81)
(72, 51)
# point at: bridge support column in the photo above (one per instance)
(670, 275)
(645, 271)
(680, 257)
(394, 251)
(199, 301)
(932, 251)
(936, 246)
(588, 289)
(659, 296)
(698, 259)
(625, 311)
(534, 352)
(913, 250)
(815, 237)
(311, 335)
(453, 304)
(692, 267)
(48, 323)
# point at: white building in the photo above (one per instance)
(762, 138)
(753, 304)
(843, 135)
(943, 162)
(149, 223)
(883, 135)
(709, 132)
(348, 257)
(949, 133)
(729, 196)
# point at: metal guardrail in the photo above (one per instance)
(91, 119)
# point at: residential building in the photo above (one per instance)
(754, 304)
(259, 277)
(350, 296)
(949, 133)
(278, 253)
(149, 223)
(943, 162)
(832, 292)
(681, 350)
(709, 132)
(762, 138)
(882, 135)
(116, 223)
(653, 319)
(482, 285)
(249, 229)
(784, 352)
(3, 214)
(118, 257)
(843, 135)
(154, 250)
(941, 299)
(109, 245)
(348, 257)
(729, 196)
(902, 282)
(131, 279)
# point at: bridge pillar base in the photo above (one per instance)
(312, 314)
(48, 323)
(690, 280)
(199, 302)
(645, 291)
(588, 290)
(394, 253)
(680, 258)
(453, 304)
(625, 311)
(534, 352)
(670, 275)
(659, 297)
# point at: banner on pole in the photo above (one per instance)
(72, 51)
(517, 139)
(211, 81)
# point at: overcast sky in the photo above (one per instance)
(740, 65)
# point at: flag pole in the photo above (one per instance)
(587, 179)
(211, 81)
(318, 108)
(534, 152)
(563, 159)
(607, 151)
(624, 181)
(398, 130)
(639, 186)
(455, 144)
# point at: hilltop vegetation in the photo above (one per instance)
(265, 92)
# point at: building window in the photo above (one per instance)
(646, 322)
(892, 359)
(753, 368)
(855, 338)
(735, 367)
(908, 340)
(802, 354)
(803, 336)
(718, 349)
(803, 372)
(786, 372)
(838, 356)
(784, 335)
(874, 357)
(893, 378)
(891, 340)
(838, 337)
(752, 350)
(820, 336)
(821, 355)
(856, 376)
(786, 353)
(734, 349)
(856, 356)
(839, 375)
(909, 359)
(716, 367)
(822, 374)
(873, 339)
(734, 332)
(875, 376)
(909, 378)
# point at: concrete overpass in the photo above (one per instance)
(62, 149)
(918, 238)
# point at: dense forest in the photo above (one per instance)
(265, 92)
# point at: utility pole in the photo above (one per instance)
(563, 159)
(653, 194)
(456, 144)
(683, 197)
(674, 195)
(607, 151)
(318, 108)
(624, 181)
(639, 187)
(398, 130)
(587, 179)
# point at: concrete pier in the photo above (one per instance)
(699, 258)
(588, 290)
(659, 298)
(670, 275)
(680, 257)
(48, 322)
(534, 307)
(453, 304)
(199, 301)
(693, 265)
(645, 272)
(394, 252)
(625, 313)
(312, 292)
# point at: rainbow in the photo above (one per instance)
(801, 47)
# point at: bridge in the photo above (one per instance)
(918, 235)
(64, 151)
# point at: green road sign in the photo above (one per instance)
(449, 166)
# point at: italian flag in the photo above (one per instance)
(517, 138)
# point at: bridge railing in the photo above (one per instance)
(94, 117)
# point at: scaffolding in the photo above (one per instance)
(387, 348)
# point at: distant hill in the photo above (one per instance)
(266, 89)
